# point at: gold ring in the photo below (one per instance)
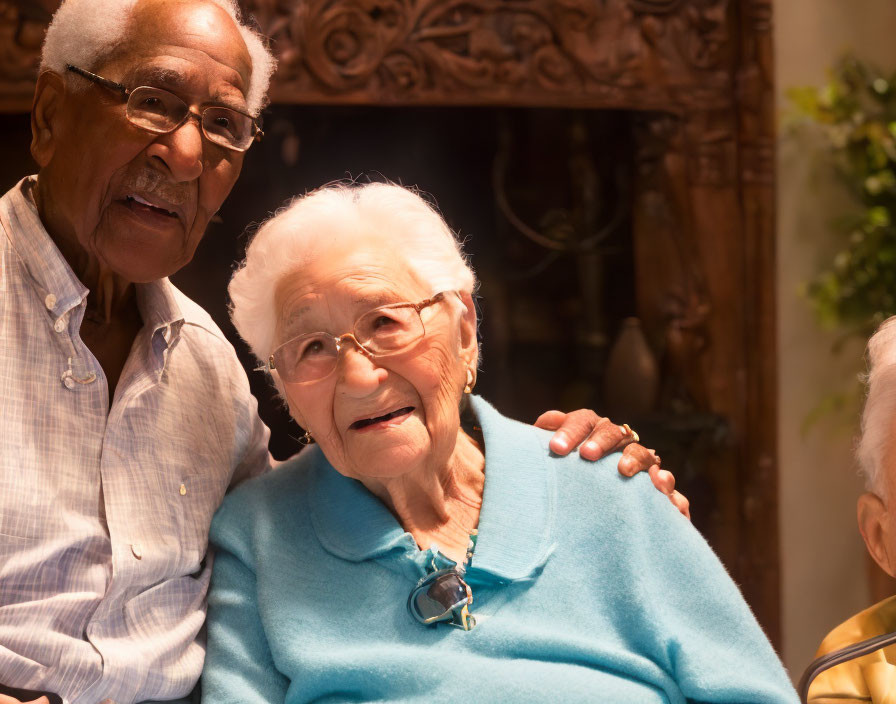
(628, 430)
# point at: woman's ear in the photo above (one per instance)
(876, 528)
(49, 94)
(469, 342)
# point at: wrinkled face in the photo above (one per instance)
(136, 201)
(386, 416)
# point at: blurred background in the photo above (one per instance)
(654, 196)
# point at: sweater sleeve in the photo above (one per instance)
(239, 666)
(701, 631)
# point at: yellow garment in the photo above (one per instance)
(871, 678)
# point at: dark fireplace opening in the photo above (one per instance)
(541, 197)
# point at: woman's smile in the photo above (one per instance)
(381, 422)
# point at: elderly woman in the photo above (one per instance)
(429, 549)
(872, 677)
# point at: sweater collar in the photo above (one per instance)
(515, 525)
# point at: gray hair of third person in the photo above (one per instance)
(875, 446)
(86, 32)
(335, 214)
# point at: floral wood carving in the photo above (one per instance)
(637, 54)
(615, 53)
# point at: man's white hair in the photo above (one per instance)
(875, 447)
(334, 215)
(86, 32)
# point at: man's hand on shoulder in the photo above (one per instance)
(596, 437)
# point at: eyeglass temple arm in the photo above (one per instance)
(104, 82)
(428, 302)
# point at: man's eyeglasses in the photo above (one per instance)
(160, 112)
(442, 596)
(380, 332)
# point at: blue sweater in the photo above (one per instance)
(587, 586)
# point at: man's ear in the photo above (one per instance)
(49, 94)
(469, 342)
(876, 529)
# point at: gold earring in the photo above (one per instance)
(471, 382)
(306, 439)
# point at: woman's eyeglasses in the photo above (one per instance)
(160, 112)
(378, 333)
(442, 596)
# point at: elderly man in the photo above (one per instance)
(872, 677)
(125, 415)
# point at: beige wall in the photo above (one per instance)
(823, 579)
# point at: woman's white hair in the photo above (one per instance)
(874, 450)
(86, 32)
(337, 214)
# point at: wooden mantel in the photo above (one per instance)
(699, 76)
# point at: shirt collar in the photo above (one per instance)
(53, 276)
(59, 287)
(159, 308)
(515, 524)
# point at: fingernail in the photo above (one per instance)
(560, 443)
(591, 446)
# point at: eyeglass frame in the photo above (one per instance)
(126, 93)
(457, 614)
(339, 340)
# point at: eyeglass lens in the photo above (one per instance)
(381, 331)
(159, 111)
(437, 597)
(442, 596)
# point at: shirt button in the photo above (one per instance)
(183, 489)
(59, 325)
(50, 301)
(137, 551)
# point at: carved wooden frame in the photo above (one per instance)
(700, 75)
(700, 72)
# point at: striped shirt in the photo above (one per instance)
(104, 512)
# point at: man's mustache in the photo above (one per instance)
(149, 182)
